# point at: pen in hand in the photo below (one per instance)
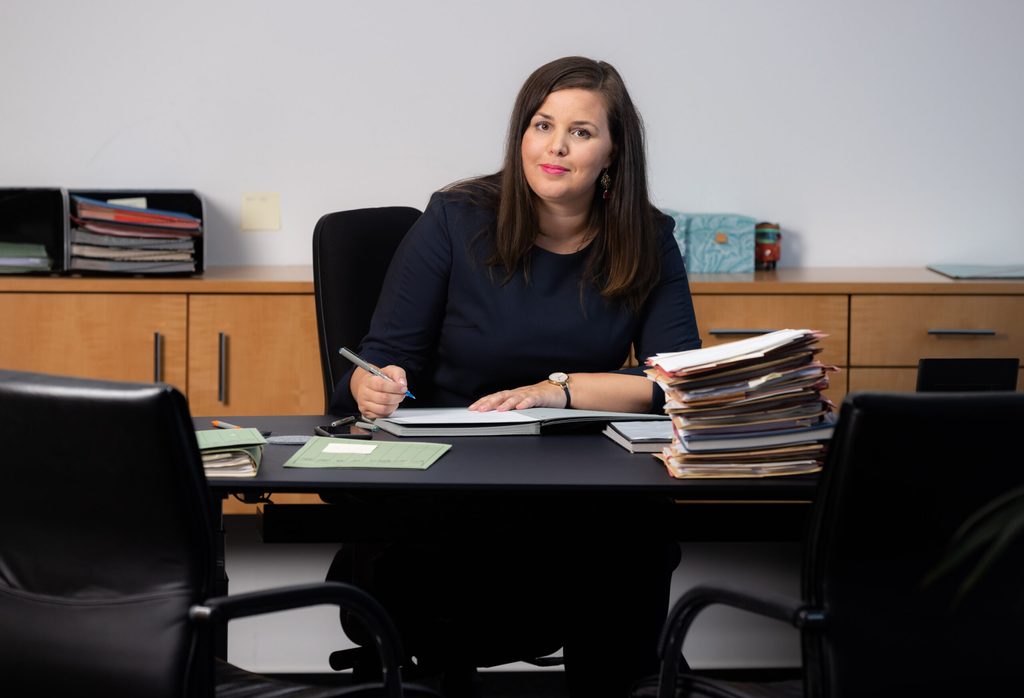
(367, 366)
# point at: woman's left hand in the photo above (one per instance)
(543, 394)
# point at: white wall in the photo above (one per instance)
(878, 132)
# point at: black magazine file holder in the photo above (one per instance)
(177, 200)
(39, 216)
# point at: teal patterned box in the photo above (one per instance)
(715, 242)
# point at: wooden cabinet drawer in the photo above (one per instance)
(234, 506)
(110, 336)
(267, 363)
(900, 380)
(899, 330)
(725, 318)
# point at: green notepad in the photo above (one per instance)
(325, 452)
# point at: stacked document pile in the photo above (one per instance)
(112, 237)
(750, 408)
(20, 257)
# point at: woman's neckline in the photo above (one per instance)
(566, 227)
(564, 255)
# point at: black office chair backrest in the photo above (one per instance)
(351, 254)
(105, 538)
(904, 473)
(967, 375)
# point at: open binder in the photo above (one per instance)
(459, 421)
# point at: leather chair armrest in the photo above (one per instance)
(684, 612)
(224, 608)
(221, 609)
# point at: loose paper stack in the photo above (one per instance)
(750, 408)
(231, 452)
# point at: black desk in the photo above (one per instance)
(581, 465)
(577, 463)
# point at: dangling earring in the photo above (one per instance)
(606, 183)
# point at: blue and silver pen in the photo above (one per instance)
(367, 366)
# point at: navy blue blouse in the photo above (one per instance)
(447, 319)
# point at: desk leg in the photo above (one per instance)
(220, 578)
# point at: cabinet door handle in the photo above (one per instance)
(738, 330)
(962, 332)
(158, 357)
(222, 368)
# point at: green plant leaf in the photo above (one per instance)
(989, 530)
(1013, 498)
(1014, 526)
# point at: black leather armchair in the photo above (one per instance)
(351, 254)
(912, 581)
(107, 553)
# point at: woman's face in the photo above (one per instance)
(566, 146)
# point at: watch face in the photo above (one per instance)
(558, 377)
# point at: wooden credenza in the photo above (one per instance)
(880, 321)
(237, 341)
(242, 340)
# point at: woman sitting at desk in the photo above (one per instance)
(528, 288)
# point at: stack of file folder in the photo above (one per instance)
(112, 237)
(750, 408)
(231, 452)
(21, 257)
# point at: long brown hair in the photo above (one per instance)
(624, 261)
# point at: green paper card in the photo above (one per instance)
(325, 452)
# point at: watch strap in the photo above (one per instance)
(568, 395)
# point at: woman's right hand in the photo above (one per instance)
(376, 397)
